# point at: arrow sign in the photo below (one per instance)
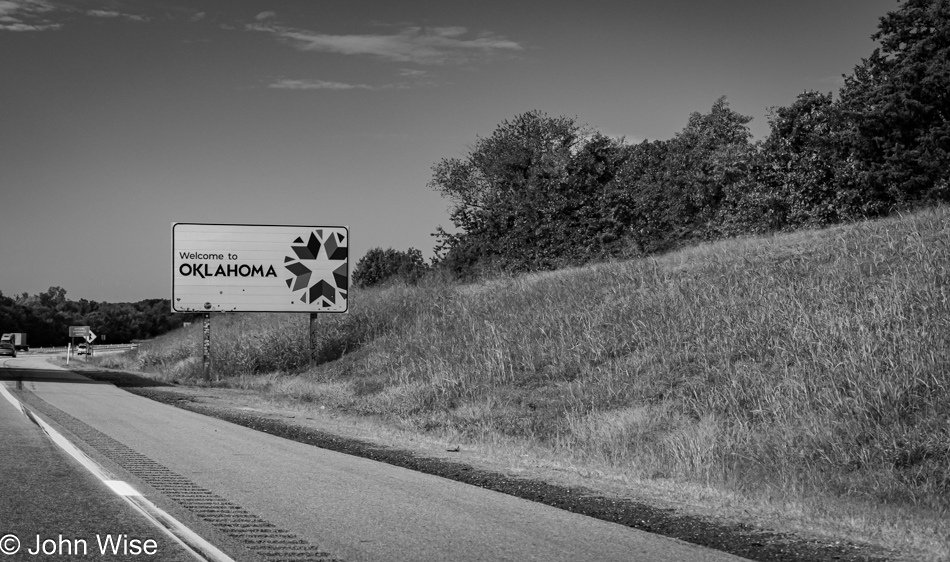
(91, 337)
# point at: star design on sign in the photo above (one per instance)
(321, 246)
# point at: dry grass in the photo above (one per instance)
(807, 374)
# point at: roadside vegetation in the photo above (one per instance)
(807, 373)
(47, 316)
(759, 323)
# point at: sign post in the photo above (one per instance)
(91, 337)
(76, 332)
(313, 338)
(206, 345)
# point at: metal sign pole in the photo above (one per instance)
(206, 345)
(313, 337)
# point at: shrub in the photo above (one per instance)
(380, 266)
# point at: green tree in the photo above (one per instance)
(805, 167)
(646, 195)
(380, 266)
(591, 217)
(46, 317)
(677, 187)
(503, 193)
(53, 297)
(705, 157)
(898, 105)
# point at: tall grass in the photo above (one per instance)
(809, 365)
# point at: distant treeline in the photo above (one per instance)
(46, 318)
(542, 192)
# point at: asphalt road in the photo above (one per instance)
(53, 506)
(262, 497)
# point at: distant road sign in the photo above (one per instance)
(78, 331)
(90, 337)
(259, 268)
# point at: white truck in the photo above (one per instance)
(18, 339)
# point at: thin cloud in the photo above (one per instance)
(288, 84)
(420, 45)
(413, 73)
(309, 84)
(264, 15)
(114, 14)
(31, 15)
(28, 27)
(7, 7)
(25, 15)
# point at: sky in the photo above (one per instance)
(119, 118)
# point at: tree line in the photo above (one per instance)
(46, 317)
(544, 192)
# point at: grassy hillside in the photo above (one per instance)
(809, 372)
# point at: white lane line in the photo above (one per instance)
(121, 488)
(188, 539)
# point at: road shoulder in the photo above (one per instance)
(334, 433)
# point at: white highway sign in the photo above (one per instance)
(259, 268)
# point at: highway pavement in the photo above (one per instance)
(52, 506)
(256, 496)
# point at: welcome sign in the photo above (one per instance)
(259, 268)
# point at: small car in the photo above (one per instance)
(82, 349)
(7, 348)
